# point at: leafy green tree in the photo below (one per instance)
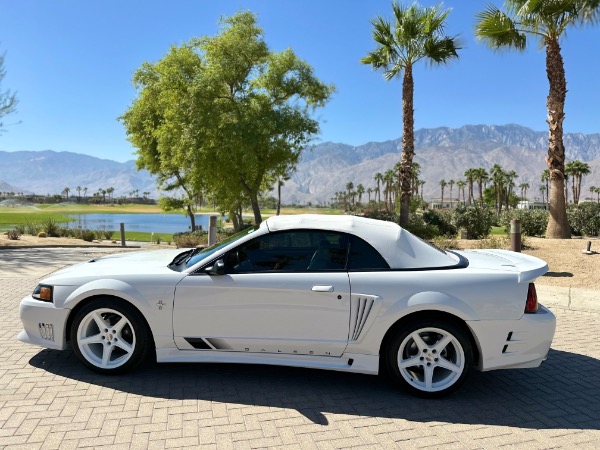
(224, 115)
(546, 20)
(416, 34)
(8, 99)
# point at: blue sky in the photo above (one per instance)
(71, 63)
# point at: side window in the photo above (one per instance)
(289, 251)
(364, 256)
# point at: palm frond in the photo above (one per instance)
(498, 30)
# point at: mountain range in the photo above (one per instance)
(326, 168)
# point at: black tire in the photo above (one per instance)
(428, 371)
(119, 345)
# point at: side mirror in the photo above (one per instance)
(218, 268)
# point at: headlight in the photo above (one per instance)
(42, 292)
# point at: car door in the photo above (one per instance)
(285, 293)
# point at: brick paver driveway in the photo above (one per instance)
(48, 400)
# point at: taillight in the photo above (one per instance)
(531, 306)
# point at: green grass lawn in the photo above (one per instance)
(498, 231)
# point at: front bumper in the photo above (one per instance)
(43, 324)
(514, 344)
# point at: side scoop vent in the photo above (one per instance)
(360, 309)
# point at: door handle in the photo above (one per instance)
(322, 288)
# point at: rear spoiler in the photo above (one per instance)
(528, 267)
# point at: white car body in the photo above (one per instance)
(327, 319)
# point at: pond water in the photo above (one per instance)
(148, 223)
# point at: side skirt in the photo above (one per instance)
(367, 364)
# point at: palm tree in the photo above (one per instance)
(417, 33)
(422, 183)
(414, 182)
(66, 192)
(577, 169)
(546, 178)
(482, 176)
(547, 20)
(461, 186)
(451, 183)
(471, 175)
(510, 177)
(109, 191)
(593, 189)
(349, 187)
(360, 190)
(443, 185)
(280, 182)
(85, 192)
(378, 178)
(499, 180)
(543, 191)
(524, 187)
(78, 189)
(388, 179)
(597, 191)
(369, 192)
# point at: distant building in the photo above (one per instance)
(436, 203)
(536, 204)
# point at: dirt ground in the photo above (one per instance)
(569, 267)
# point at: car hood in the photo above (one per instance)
(526, 267)
(149, 263)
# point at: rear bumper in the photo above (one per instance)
(514, 344)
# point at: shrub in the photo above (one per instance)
(87, 235)
(418, 227)
(584, 219)
(190, 239)
(445, 243)
(442, 220)
(14, 235)
(476, 220)
(20, 229)
(42, 234)
(381, 215)
(51, 227)
(533, 221)
(493, 242)
(32, 228)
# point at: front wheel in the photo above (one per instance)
(109, 336)
(430, 358)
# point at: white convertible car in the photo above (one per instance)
(328, 292)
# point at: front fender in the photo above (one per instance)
(153, 300)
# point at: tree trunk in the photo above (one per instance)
(255, 208)
(192, 217)
(558, 225)
(408, 143)
(278, 197)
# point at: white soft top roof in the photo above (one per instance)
(401, 249)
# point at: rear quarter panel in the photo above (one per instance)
(469, 294)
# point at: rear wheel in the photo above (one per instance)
(430, 358)
(109, 336)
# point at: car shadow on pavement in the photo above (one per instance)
(563, 393)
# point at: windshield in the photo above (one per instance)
(204, 253)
